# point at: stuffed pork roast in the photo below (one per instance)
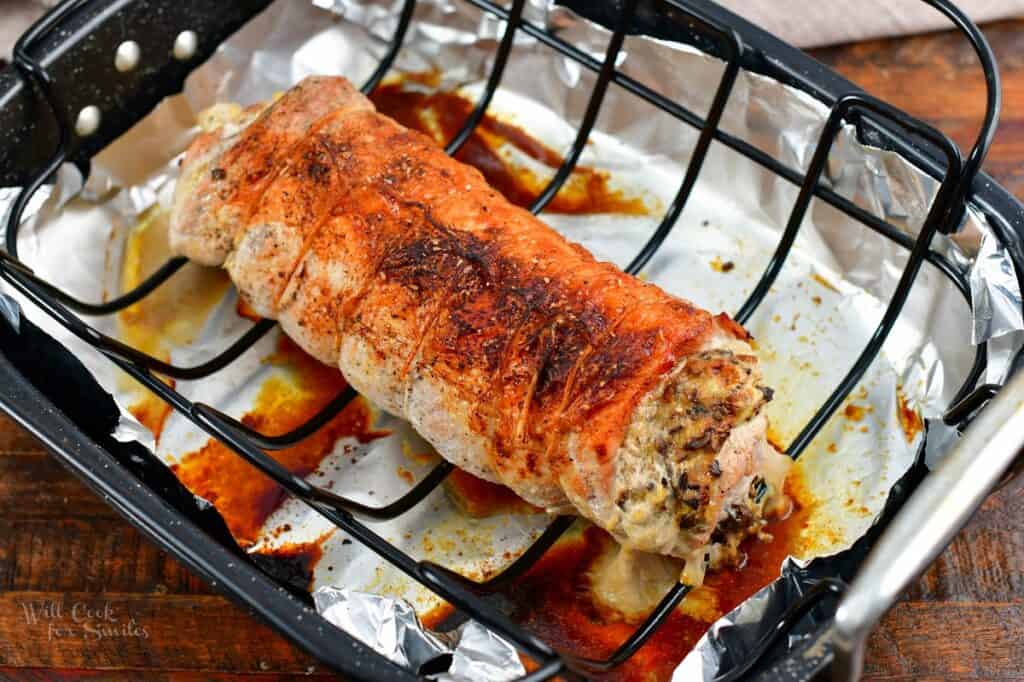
(514, 352)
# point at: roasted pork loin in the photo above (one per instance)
(514, 352)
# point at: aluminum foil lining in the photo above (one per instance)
(994, 292)
(73, 230)
(470, 653)
(729, 641)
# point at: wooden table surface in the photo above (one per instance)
(138, 614)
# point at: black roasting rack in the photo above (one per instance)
(62, 101)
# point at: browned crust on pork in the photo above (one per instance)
(533, 330)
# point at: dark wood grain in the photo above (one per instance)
(112, 630)
(10, 674)
(937, 78)
(60, 544)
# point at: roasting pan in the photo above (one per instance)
(63, 100)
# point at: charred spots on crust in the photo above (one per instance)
(316, 167)
(261, 170)
(254, 155)
(323, 155)
(403, 167)
(218, 174)
(567, 340)
(475, 327)
(437, 259)
(532, 464)
(605, 370)
(534, 331)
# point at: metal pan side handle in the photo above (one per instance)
(943, 503)
(90, 69)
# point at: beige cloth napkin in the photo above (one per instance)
(826, 22)
(800, 22)
(15, 17)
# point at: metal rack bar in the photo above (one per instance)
(423, 572)
(34, 74)
(523, 563)
(827, 587)
(993, 105)
(515, 15)
(29, 282)
(404, 19)
(796, 217)
(393, 509)
(734, 49)
(961, 409)
(640, 636)
(593, 109)
(464, 594)
(681, 113)
(937, 215)
(300, 433)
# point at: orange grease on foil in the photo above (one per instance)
(722, 266)
(555, 602)
(437, 615)
(293, 562)
(479, 498)
(441, 115)
(854, 412)
(242, 495)
(152, 412)
(910, 420)
(824, 282)
(171, 315)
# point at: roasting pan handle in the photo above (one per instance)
(942, 504)
(116, 58)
